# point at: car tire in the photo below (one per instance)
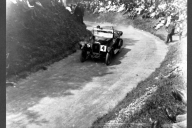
(108, 59)
(83, 55)
(120, 43)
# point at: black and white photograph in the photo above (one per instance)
(96, 63)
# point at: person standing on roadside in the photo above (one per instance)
(79, 12)
(170, 30)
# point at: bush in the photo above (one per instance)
(39, 34)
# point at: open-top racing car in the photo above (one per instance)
(104, 43)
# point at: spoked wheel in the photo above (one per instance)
(108, 59)
(83, 55)
(120, 43)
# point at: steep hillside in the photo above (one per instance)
(38, 34)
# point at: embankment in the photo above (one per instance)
(38, 36)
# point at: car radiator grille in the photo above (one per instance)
(96, 48)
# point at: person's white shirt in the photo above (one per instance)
(168, 21)
(68, 8)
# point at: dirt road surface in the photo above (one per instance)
(73, 94)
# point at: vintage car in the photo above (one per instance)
(104, 43)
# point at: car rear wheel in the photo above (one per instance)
(83, 55)
(108, 59)
(120, 43)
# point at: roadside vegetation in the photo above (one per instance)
(39, 34)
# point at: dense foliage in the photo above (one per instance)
(38, 32)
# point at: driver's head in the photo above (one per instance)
(98, 26)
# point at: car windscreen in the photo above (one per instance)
(103, 33)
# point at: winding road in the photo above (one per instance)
(73, 94)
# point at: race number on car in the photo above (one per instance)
(103, 48)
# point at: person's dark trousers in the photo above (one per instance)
(169, 37)
(180, 34)
(81, 19)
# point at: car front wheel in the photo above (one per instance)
(108, 59)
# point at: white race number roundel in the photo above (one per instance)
(103, 48)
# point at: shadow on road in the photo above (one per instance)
(60, 78)
(117, 58)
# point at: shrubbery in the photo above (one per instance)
(39, 34)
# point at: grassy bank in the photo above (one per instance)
(39, 36)
(164, 79)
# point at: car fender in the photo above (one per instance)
(110, 46)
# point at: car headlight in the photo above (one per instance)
(82, 43)
(88, 45)
(108, 49)
(114, 40)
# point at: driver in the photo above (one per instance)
(99, 27)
